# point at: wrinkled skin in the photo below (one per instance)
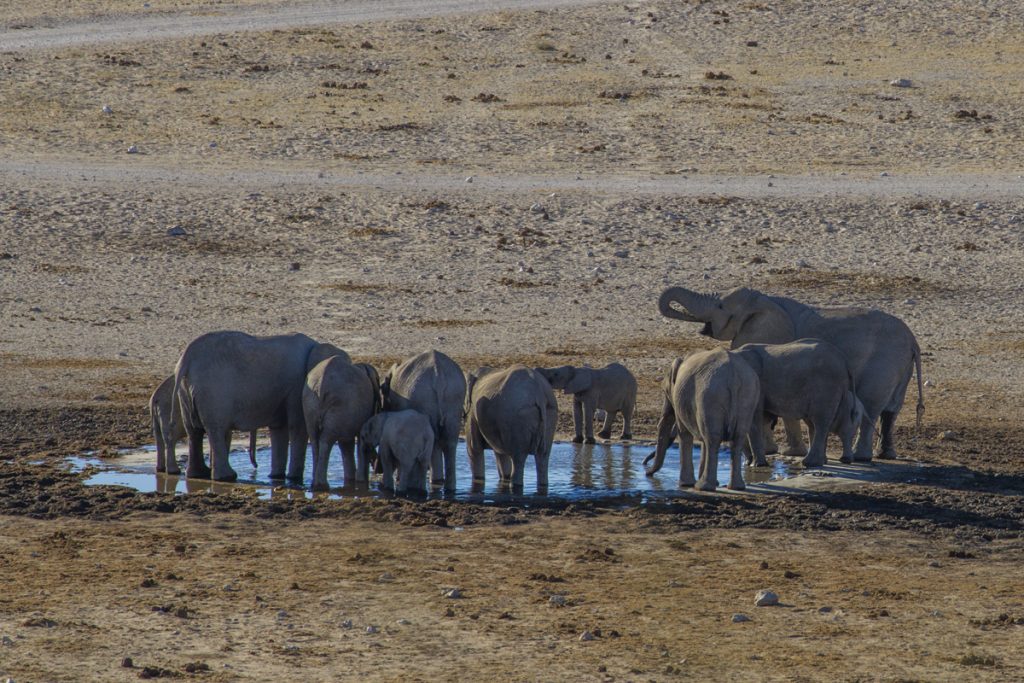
(337, 399)
(433, 384)
(404, 441)
(611, 389)
(168, 429)
(712, 396)
(808, 380)
(514, 413)
(880, 349)
(232, 380)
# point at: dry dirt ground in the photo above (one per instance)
(506, 186)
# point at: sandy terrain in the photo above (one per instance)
(506, 185)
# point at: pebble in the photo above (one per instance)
(347, 623)
(586, 635)
(107, 109)
(403, 622)
(622, 253)
(6, 641)
(824, 610)
(929, 384)
(947, 435)
(386, 577)
(537, 208)
(901, 83)
(453, 594)
(765, 598)
(469, 179)
(132, 149)
(740, 618)
(557, 601)
(370, 630)
(176, 231)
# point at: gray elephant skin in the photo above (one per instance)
(880, 349)
(232, 380)
(433, 384)
(168, 428)
(514, 413)
(712, 396)
(611, 389)
(404, 442)
(337, 399)
(809, 380)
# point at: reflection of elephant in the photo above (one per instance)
(168, 429)
(806, 380)
(712, 396)
(232, 380)
(880, 348)
(514, 413)
(433, 384)
(611, 389)
(337, 399)
(406, 444)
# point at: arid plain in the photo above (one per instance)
(506, 182)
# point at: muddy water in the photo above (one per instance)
(576, 471)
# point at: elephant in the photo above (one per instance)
(809, 380)
(611, 389)
(711, 396)
(337, 399)
(163, 413)
(514, 413)
(433, 384)
(406, 443)
(232, 380)
(881, 350)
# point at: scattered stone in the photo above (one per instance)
(883, 174)
(107, 110)
(764, 564)
(371, 630)
(751, 43)
(453, 594)
(622, 253)
(791, 574)
(177, 231)
(469, 179)
(824, 610)
(403, 622)
(901, 83)
(557, 601)
(449, 612)
(196, 667)
(935, 564)
(146, 583)
(602, 668)
(717, 76)
(127, 663)
(765, 598)
(386, 577)
(740, 618)
(948, 435)
(6, 641)
(347, 624)
(294, 266)
(132, 149)
(39, 622)
(586, 636)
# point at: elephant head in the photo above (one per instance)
(740, 316)
(412, 476)
(569, 379)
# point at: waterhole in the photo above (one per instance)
(575, 472)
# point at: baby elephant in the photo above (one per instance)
(514, 413)
(161, 411)
(810, 380)
(711, 396)
(406, 442)
(611, 389)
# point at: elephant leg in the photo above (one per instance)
(220, 441)
(736, 462)
(887, 451)
(759, 426)
(321, 456)
(862, 453)
(362, 464)
(518, 463)
(437, 465)
(451, 445)
(196, 467)
(475, 451)
(170, 458)
(387, 468)
(161, 448)
(794, 438)
(541, 462)
(298, 439)
(504, 464)
(818, 432)
(708, 480)
(686, 476)
(577, 419)
(627, 423)
(771, 447)
(278, 451)
(588, 421)
(606, 426)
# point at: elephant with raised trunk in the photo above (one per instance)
(433, 384)
(880, 349)
(168, 428)
(611, 389)
(514, 413)
(406, 444)
(808, 380)
(337, 399)
(712, 396)
(233, 380)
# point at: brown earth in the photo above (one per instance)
(343, 211)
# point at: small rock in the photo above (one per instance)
(295, 265)
(107, 110)
(928, 384)
(824, 610)
(801, 263)
(751, 43)
(469, 179)
(132, 149)
(127, 663)
(453, 594)
(346, 624)
(176, 231)
(6, 641)
(449, 612)
(537, 208)
(740, 618)
(386, 577)
(622, 253)
(586, 635)
(948, 435)
(883, 174)
(901, 83)
(764, 564)
(765, 598)
(370, 630)
(602, 668)
(935, 564)
(403, 622)
(557, 601)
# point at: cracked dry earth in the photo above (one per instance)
(314, 159)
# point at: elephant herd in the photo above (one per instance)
(840, 370)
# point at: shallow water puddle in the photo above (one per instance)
(575, 472)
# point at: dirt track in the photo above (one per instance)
(320, 177)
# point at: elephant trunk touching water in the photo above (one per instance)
(880, 349)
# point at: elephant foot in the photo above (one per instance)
(887, 454)
(862, 458)
(795, 451)
(275, 475)
(625, 436)
(704, 485)
(737, 486)
(771, 449)
(604, 434)
(320, 486)
(589, 439)
(686, 483)
(763, 462)
(228, 476)
(577, 439)
(846, 459)
(651, 471)
(812, 462)
(198, 472)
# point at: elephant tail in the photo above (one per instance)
(252, 448)
(539, 436)
(920, 386)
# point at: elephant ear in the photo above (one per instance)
(582, 380)
(754, 317)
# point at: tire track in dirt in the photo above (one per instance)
(164, 26)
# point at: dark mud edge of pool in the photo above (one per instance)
(976, 498)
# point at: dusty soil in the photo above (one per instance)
(506, 186)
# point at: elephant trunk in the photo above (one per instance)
(695, 307)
